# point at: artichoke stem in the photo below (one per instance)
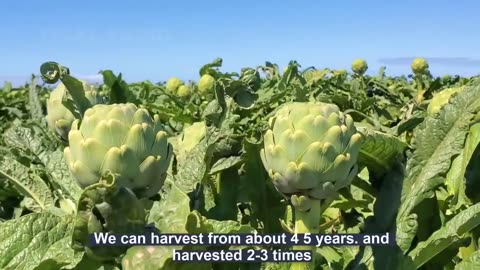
(307, 222)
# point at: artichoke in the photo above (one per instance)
(173, 84)
(123, 140)
(419, 66)
(359, 66)
(183, 91)
(59, 118)
(311, 149)
(310, 152)
(206, 84)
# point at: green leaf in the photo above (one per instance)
(438, 140)
(455, 184)
(119, 88)
(210, 67)
(158, 258)
(225, 163)
(471, 161)
(27, 183)
(76, 91)
(265, 203)
(29, 139)
(170, 214)
(60, 175)
(471, 263)
(192, 172)
(455, 178)
(452, 232)
(35, 104)
(379, 150)
(37, 241)
(197, 224)
(330, 255)
(245, 99)
(105, 208)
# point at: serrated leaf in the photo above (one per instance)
(77, 93)
(106, 208)
(379, 150)
(471, 160)
(36, 241)
(35, 105)
(27, 183)
(158, 258)
(437, 141)
(455, 183)
(170, 214)
(192, 172)
(29, 139)
(441, 239)
(196, 224)
(61, 177)
(387, 200)
(225, 163)
(472, 263)
(329, 254)
(119, 88)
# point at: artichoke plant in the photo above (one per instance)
(123, 140)
(310, 152)
(59, 118)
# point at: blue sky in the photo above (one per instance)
(156, 40)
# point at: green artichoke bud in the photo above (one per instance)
(206, 84)
(311, 149)
(419, 66)
(123, 140)
(183, 91)
(173, 84)
(59, 118)
(359, 66)
(441, 98)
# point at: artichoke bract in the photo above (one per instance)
(123, 140)
(311, 149)
(59, 118)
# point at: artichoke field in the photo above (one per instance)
(267, 150)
